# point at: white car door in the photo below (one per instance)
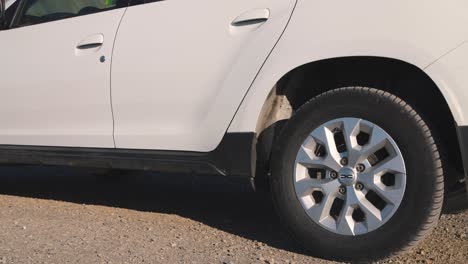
(55, 65)
(181, 68)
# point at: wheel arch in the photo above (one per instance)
(401, 78)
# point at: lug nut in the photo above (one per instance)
(360, 167)
(359, 186)
(342, 190)
(344, 161)
(333, 174)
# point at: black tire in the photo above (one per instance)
(420, 208)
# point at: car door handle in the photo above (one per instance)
(256, 16)
(91, 42)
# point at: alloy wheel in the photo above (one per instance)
(349, 176)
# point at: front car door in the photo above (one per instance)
(55, 72)
(181, 68)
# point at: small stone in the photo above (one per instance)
(173, 245)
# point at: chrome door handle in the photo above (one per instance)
(256, 16)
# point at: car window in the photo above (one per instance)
(8, 3)
(10, 8)
(41, 11)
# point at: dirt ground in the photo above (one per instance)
(57, 215)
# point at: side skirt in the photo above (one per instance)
(235, 156)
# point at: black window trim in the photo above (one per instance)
(22, 4)
(136, 2)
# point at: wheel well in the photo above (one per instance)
(400, 78)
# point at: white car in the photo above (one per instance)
(354, 114)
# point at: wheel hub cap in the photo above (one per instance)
(347, 176)
(337, 195)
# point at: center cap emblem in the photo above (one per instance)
(347, 176)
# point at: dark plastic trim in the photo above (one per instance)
(142, 2)
(463, 140)
(235, 156)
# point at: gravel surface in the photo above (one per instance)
(57, 215)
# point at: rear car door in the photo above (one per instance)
(55, 72)
(181, 68)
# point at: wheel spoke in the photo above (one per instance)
(345, 222)
(378, 139)
(322, 210)
(394, 164)
(324, 137)
(357, 154)
(373, 216)
(305, 186)
(308, 159)
(368, 179)
(356, 199)
(350, 130)
(390, 195)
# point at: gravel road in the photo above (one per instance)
(58, 215)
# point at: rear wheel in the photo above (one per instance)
(356, 175)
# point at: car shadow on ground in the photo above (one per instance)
(220, 203)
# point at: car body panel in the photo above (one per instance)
(54, 94)
(416, 32)
(450, 73)
(180, 69)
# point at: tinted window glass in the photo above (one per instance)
(41, 11)
(10, 11)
